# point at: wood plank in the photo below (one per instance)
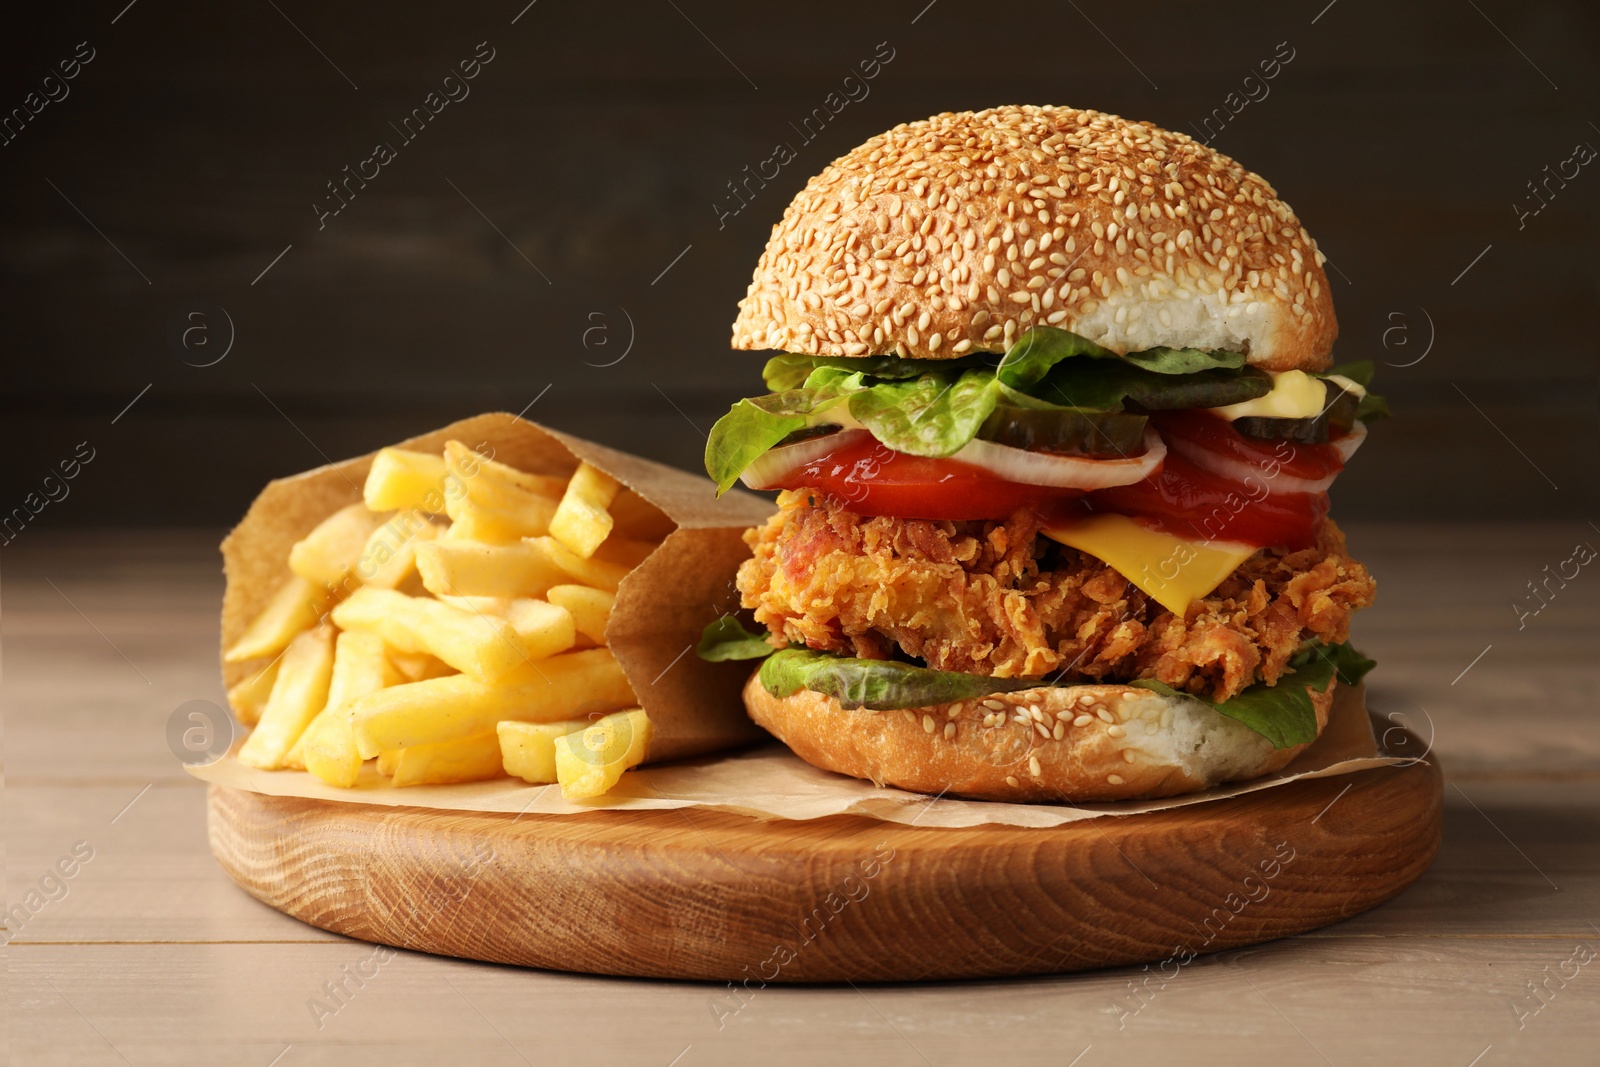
(152, 877)
(149, 877)
(1401, 1000)
(701, 895)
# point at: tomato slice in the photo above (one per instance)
(869, 478)
(1183, 498)
(1207, 431)
(1189, 501)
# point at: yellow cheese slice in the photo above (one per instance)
(1295, 395)
(1171, 570)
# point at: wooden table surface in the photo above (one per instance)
(148, 954)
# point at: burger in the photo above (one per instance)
(1052, 417)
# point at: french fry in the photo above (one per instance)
(401, 480)
(482, 646)
(590, 608)
(298, 694)
(390, 554)
(531, 618)
(590, 763)
(594, 572)
(328, 750)
(528, 749)
(418, 666)
(494, 483)
(328, 552)
(444, 709)
(581, 521)
(293, 609)
(478, 605)
(467, 759)
(469, 568)
(637, 517)
(328, 747)
(527, 615)
(454, 652)
(472, 521)
(360, 666)
(625, 550)
(249, 697)
(500, 503)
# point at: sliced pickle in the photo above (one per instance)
(1335, 420)
(1065, 432)
(807, 433)
(1202, 389)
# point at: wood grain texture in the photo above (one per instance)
(155, 955)
(696, 894)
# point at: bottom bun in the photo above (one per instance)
(1072, 743)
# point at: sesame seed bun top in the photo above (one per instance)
(955, 234)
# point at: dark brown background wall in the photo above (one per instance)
(569, 201)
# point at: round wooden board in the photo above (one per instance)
(710, 895)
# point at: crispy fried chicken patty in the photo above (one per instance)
(996, 598)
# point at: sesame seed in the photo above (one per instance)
(994, 705)
(1083, 720)
(1105, 716)
(1033, 766)
(1012, 781)
(1116, 731)
(1044, 731)
(987, 204)
(927, 723)
(949, 731)
(1114, 779)
(1060, 731)
(1127, 755)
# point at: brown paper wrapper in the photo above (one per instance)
(661, 608)
(772, 783)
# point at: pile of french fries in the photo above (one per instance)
(451, 627)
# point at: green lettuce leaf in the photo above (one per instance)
(927, 416)
(1039, 372)
(1032, 355)
(876, 684)
(933, 407)
(756, 424)
(1359, 371)
(727, 639)
(1283, 713)
(1113, 385)
(1372, 406)
(1351, 665)
(788, 371)
(1184, 360)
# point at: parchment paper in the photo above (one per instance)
(771, 783)
(662, 605)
